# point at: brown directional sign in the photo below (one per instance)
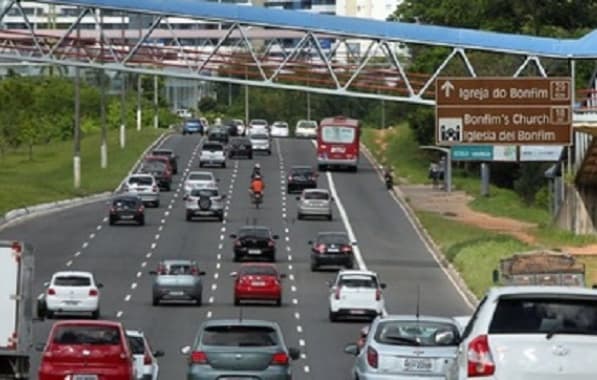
(526, 111)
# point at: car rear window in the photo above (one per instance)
(319, 195)
(200, 177)
(258, 270)
(204, 193)
(154, 165)
(239, 336)
(141, 180)
(301, 171)
(417, 333)
(162, 153)
(358, 282)
(543, 315)
(180, 269)
(307, 124)
(96, 335)
(254, 232)
(212, 147)
(259, 137)
(241, 142)
(72, 281)
(333, 239)
(137, 345)
(131, 203)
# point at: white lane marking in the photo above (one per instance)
(139, 274)
(91, 236)
(284, 209)
(148, 255)
(307, 369)
(211, 300)
(302, 342)
(218, 265)
(303, 355)
(160, 228)
(134, 285)
(344, 216)
(216, 275)
(223, 229)
(143, 264)
(288, 248)
(299, 329)
(208, 315)
(289, 257)
(98, 227)
(221, 237)
(69, 263)
(153, 245)
(157, 237)
(119, 314)
(297, 315)
(105, 219)
(293, 288)
(295, 301)
(40, 296)
(166, 213)
(127, 298)
(85, 244)
(287, 238)
(220, 246)
(219, 256)
(287, 230)
(289, 266)
(214, 286)
(169, 207)
(163, 221)
(291, 277)
(77, 254)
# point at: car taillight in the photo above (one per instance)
(155, 189)
(162, 269)
(346, 248)
(198, 357)
(51, 292)
(194, 271)
(270, 243)
(337, 293)
(479, 359)
(93, 292)
(16, 247)
(320, 248)
(280, 358)
(378, 294)
(147, 359)
(112, 210)
(141, 208)
(372, 357)
(237, 243)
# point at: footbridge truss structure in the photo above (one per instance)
(285, 49)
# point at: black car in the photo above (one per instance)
(127, 208)
(300, 178)
(160, 172)
(218, 134)
(332, 248)
(240, 146)
(254, 242)
(171, 156)
(231, 126)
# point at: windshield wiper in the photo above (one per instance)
(411, 341)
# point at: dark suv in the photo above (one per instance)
(172, 157)
(127, 208)
(240, 146)
(254, 242)
(332, 248)
(218, 134)
(300, 178)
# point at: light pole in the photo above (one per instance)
(123, 92)
(102, 84)
(139, 80)
(77, 121)
(246, 99)
(156, 120)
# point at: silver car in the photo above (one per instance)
(199, 180)
(260, 142)
(145, 187)
(239, 349)
(204, 202)
(407, 347)
(212, 153)
(177, 280)
(315, 202)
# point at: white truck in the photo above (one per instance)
(16, 309)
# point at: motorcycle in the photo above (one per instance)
(257, 199)
(389, 179)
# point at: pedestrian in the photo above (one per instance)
(434, 173)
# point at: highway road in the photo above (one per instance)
(121, 256)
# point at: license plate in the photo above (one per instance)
(257, 283)
(333, 250)
(176, 293)
(127, 216)
(85, 377)
(357, 312)
(254, 252)
(71, 302)
(338, 149)
(422, 365)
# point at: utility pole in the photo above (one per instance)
(139, 80)
(102, 84)
(156, 120)
(77, 121)
(123, 91)
(246, 100)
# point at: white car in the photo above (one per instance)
(531, 332)
(306, 129)
(204, 202)
(199, 179)
(279, 129)
(240, 126)
(258, 124)
(145, 186)
(184, 113)
(145, 362)
(356, 293)
(212, 153)
(73, 292)
(260, 142)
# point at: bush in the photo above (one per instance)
(530, 180)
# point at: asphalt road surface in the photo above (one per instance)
(121, 256)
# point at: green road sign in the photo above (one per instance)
(472, 153)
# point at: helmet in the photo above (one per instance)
(257, 176)
(257, 166)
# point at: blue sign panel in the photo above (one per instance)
(472, 153)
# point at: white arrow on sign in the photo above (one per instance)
(447, 87)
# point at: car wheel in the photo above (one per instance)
(236, 301)
(250, 156)
(199, 301)
(49, 314)
(236, 258)
(314, 266)
(221, 217)
(168, 187)
(112, 221)
(142, 221)
(269, 152)
(155, 301)
(333, 316)
(189, 217)
(224, 165)
(95, 314)
(279, 302)
(299, 216)
(330, 217)
(200, 165)
(272, 258)
(321, 168)
(156, 204)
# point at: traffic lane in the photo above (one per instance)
(170, 326)
(325, 340)
(391, 247)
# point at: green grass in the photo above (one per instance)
(552, 237)
(474, 252)
(49, 176)
(590, 268)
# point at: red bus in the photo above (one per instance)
(338, 141)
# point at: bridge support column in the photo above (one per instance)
(139, 90)
(156, 116)
(123, 111)
(104, 143)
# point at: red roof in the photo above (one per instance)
(340, 120)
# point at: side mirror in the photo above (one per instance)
(46, 284)
(275, 237)
(382, 285)
(233, 236)
(298, 198)
(158, 353)
(354, 243)
(294, 353)
(351, 349)
(100, 285)
(283, 275)
(496, 276)
(224, 196)
(186, 197)
(40, 347)
(233, 274)
(217, 180)
(186, 350)
(202, 273)
(153, 273)
(310, 242)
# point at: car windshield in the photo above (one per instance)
(125, 203)
(167, 153)
(259, 137)
(72, 281)
(180, 269)
(212, 147)
(254, 232)
(200, 177)
(333, 239)
(543, 315)
(204, 193)
(307, 124)
(417, 333)
(239, 336)
(193, 123)
(137, 345)
(241, 142)
(337, 134)
(258, 122)
(154, 166)
(301, 171)
(147, 181)
(318, 195)
(258, 270)
(96, 335)
(280, 125)
(357, 281)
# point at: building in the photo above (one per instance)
(318, 6)
(374, 9)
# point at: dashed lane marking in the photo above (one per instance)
(293, 288)
(289, 257)
(211, 300)
(105, 219)
(302, 342)
(139, 274)
(299, 329)
(148, 255)
(160, 228)
(157, 237)
(85, 244)
(77, 254)
(208, 314)
(153, 245)
(216, 275)
(307, 369)
(291, 277)
(297, 315)
(143, 264)
(134, 285)
(127, 298)
(218, 265)
(119, 314)
(219, 256)
(289, 266)
(69, 263)
(295, 301)
(214, 287)
(98, 227)
(220, 246)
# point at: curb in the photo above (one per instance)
(432, 247)
(20, 215)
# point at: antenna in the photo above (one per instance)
(418, 300)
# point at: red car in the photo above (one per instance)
(161, 168)
(258, 282)
(87, 349)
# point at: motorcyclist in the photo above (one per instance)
(257, 185)
(388, 176)
(256, 171)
